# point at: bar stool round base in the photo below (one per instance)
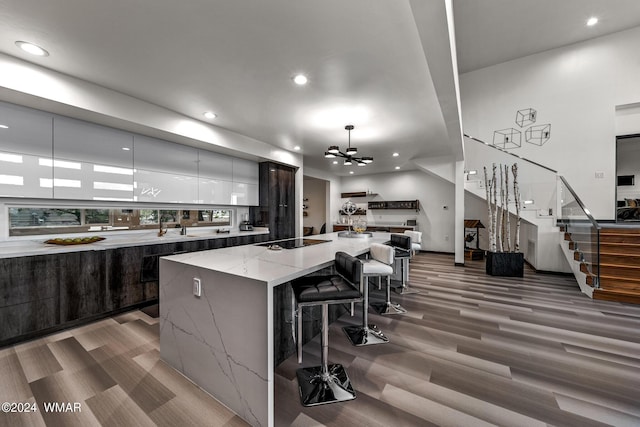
(360, 336)
(402, 290)
(388, 308)
(317, 388)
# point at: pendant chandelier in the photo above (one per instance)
(349, 154)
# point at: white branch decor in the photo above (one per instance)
(501, 219)
(516, 196)
(499, 216)
(508, 217)
(489, 185)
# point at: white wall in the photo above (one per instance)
(576, 89)
(435, 222)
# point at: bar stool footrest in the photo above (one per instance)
(317, 388)
(360, 336)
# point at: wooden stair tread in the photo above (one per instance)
(607, 253)
(630, 230)
(616, 295)
(617, 291)
(609, 265)
(613, 283)
(628, 279)
(610, 253)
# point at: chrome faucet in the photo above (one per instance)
(161, 232)
(183, 232)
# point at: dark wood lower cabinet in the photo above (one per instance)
(44, 293)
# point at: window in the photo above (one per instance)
(96, 216)
(43, 217)
(25, 221)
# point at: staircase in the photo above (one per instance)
(619, 251)
(619, 261)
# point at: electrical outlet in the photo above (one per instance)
(599, 175)
(197, 287)
(446, 237)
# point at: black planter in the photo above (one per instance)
(510, 264)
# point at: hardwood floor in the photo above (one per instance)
(473, 350)
(480, 350)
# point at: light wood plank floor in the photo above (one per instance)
(473, 350)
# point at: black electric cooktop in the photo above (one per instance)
(294, 243)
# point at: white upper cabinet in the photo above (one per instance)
(91, 162)
(163, 156)
(164, 171)
(214, 165)
(47, 156)
(25, 152)
(245, 183)
(27, 131)
(245, 171)
(244, 194)
(215, 179)
(215, 191)
(160, 187)
(87, 142)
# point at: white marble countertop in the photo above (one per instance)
(276, 267)
(36, 246)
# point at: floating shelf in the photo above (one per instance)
(357, 212)
(357, 194)
(395, 204)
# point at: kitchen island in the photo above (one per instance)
(223, 339)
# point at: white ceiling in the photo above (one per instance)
(373, 64)
(490, 32)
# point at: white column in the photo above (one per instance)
(459, 213)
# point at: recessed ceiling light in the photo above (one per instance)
(4, 127)
(335, 162)
(210, 115)
(126, 148)
(592, 21)
(297, 148)
(300, 79)
(32, 48)
(395, 154)
(350, 172)
(397, 167)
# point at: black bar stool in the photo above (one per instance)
(378, 266)
(402, 245)
(326, 383)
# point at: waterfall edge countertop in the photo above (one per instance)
(36, 246)
(218, 315)
(274, 267)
